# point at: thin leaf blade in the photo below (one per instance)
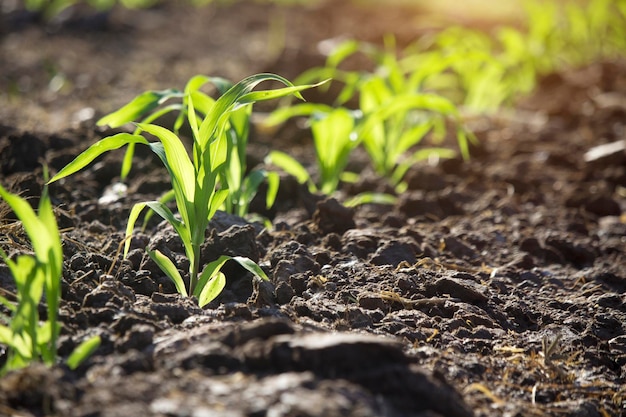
(107, 144)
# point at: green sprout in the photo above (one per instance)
(396, 114)
(484, 71)
(152, 105)
(200, 184)
(334, 138)
(27, 338)
(394, 124)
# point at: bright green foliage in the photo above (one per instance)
(27, 338)
(334, 137)
(414, 93)
(574, 34)
(152, 105)
(395, 113)
(473, 76)
(200, 183)
(83, 351)
(483, 71)
(394, 123)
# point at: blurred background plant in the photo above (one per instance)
(393, 114)
(51, 8)
(334, 139)
(484, 71)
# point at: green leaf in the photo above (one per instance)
(139, 106)
(251, 266)
(196, 82)
(341, 52)
(168, 267)
(97, 149)
(182, 173)
(33, 275)
(282, 114)
(166, 197)
(51, 263)
(240, 94)
(162, 210)
(273, 183)
(464, 138)
(412, 137)
(127, 163)
(212, 289)
(193, 121)
(83, 351)
(8, 304)
(6, 335)
(212, 281)
(218, 151)
(290, 166)
(335, 139)
(32, 224)
(371, 198)
(210, 271)
(216, 202)
(177, 159)
(276, 93)
(16, 341)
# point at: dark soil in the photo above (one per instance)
(444, 304)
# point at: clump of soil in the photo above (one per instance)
(493, 287)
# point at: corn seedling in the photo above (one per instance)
(36, 276)
(484, 72)
(200, 183)
(573, 34)
(152, 105)
(396, 114)
(394, 124)
(334, 137)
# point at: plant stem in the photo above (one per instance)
(194, 269)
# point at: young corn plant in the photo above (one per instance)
(396, 113)
(394, 124)
(200, 183)
(334, 139)
(484, 72)
(573, 33)
(473, 76)
(27, 338)
(335, 136)
(153, 105)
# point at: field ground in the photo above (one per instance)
(494, 287)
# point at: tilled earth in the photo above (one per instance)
(493, 287)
